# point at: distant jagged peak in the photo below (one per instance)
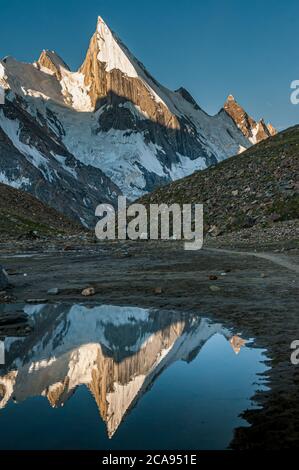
(187, 96)
(52, 61)
(111, 52)
(231, 101)
(251, 129)
(230, 98)
(271, 129)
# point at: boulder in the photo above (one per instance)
(89, 291)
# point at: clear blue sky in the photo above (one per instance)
(212, 48)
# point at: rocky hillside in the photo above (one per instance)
(22, 215)
(259, 187)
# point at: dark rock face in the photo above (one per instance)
(61, 182)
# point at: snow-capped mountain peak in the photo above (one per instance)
(111, 53)
(117, 124)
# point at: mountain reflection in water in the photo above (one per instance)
(118, 353)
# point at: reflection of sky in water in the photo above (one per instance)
(125, 378)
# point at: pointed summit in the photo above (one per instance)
(271, 129)
(113, 75)
(252, 130)
(105, 56)
(187, 96)
(230, 98)
(52, 61)
(111, 53)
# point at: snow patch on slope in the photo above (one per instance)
(2, 71)
(2, 89)
(16, 183)
(186, 167)
(75, 91)
(62, 160)
(121, 155)
(12, 130)
(135, 110)
(22, 77)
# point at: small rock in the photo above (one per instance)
(212, 277)
(158, 290)
(31, 235)
(235, 193)
(12, 272)
(69, 248)
(7, 298)
(248, 222)
(215, 231)
(53, 291)
(263, 275)
(275, 217)
(214, 288)
(89, 291)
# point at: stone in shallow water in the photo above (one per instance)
(53, 291)
(214, 288)
(89, 291)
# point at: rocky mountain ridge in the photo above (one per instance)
(254, 131)
(77, 139)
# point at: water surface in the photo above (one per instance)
(111, 377)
